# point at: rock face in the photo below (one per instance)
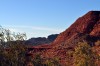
(41, 40)
(85, 28)
(87, 24)
(52, 37)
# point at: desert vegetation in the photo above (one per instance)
(12, 48)
(84, 56)
(13, 52)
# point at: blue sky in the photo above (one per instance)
(40, 18)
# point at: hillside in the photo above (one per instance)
(85, 28)
(41, 40)
(87, 24)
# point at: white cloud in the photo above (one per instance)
(34, 28)
(35, 31)
(13, 29)
(47, 29)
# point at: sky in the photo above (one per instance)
(40, 18)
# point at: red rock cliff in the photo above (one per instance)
(87, 24)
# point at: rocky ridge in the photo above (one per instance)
(85, 28)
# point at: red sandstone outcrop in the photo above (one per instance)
(87, 25)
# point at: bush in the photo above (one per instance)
(83, 55)
(97, 43)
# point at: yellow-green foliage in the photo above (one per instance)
(12, 53)
(83, 55)
(13, 56)
(52, 62)
(97, 43)
(37, 61)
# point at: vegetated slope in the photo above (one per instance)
(85, 28)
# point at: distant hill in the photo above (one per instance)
(42, 40)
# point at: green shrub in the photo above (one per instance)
(83, 55)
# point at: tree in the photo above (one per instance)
(97, 43)
(12, 49)
(52, 62)
(37, 61)
(83, 55)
